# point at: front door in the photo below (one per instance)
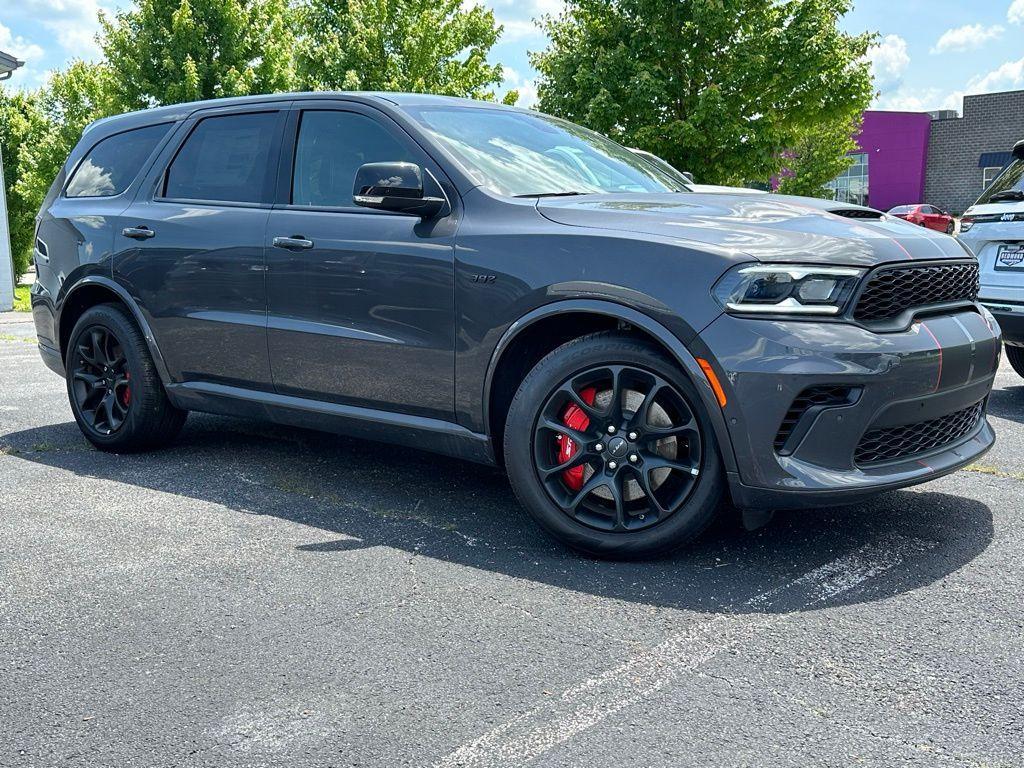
(361, 302)
(192, 252)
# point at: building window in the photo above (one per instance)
(988, 175)
(852, 184)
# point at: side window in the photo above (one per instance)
(330, 148)
(225, 159)
(110, 167)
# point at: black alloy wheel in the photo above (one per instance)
(101, 382)
(611, 450)
(640, 448)
(115, 391)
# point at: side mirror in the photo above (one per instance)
(396, 187)
(689, 176)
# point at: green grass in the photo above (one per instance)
(22, 302)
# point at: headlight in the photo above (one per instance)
(785, 289)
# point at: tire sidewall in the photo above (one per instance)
(683, 525)
(115, 322)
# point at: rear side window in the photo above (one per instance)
(330, 148)
(225, 159)
(110, 167)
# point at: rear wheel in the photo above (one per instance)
(610, 451)
(1016, 357)
(950, 228)
(115, 392)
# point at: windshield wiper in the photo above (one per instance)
(551, 194)
(1007, 194)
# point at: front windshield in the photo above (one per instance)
(1008, 186)
(523, 154)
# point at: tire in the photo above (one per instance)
(1016, 357)
(113, 387)
(950, 228)
(611, 521)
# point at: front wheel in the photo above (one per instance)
(609, 449)
(115, 392)
(950, 228)
(1016, 357)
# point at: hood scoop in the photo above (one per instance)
(857, 213)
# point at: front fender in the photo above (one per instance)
(637, 319)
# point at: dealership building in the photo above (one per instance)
(941, 158)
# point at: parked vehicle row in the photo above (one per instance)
(926, 216)
(513, 289)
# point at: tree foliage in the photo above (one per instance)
(172, 51)
(423, 46)
(817, 158)
(721, 88)
(20, 121)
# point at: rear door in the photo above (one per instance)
(364, 312)
(191, 247)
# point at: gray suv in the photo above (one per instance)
(509, 288)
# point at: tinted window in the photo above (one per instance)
(225, 158)
(1009, 187)
(112, 165)
(901, 209)
(329, 151)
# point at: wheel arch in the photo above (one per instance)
(554, 324)
(91, 291)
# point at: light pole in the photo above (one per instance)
(7, 66)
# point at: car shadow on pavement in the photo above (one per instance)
(1007, 403)
(363, 494)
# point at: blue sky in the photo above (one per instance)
(930, 53)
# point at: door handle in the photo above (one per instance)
(296, 243)
(141, 232)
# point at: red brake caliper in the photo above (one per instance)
(574, 417)
(127, 397)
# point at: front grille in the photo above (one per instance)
(892, 290)
(826, 394)
(891, 443)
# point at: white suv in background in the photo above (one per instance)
(994, 229)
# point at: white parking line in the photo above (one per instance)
(587, 704)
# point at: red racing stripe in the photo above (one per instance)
(939, 347)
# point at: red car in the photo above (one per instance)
(925, 216)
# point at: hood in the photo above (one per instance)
(769, 228)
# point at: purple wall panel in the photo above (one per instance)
(897, 148)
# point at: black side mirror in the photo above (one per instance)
(396, 187)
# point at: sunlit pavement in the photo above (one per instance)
(260, 596)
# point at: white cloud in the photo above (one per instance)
(518, 29)
(24, 50)
(967, 38)
(889, 60)
(919, 100)
(1015, 14)
(1006, 77)
(18, 46)
(74, 24)
(513, 81)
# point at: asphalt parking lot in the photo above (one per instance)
(260, 596)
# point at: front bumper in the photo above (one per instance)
(937, 367)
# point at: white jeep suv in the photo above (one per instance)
(994, 229)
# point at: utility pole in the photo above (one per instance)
(7, 66)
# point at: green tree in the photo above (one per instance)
(172, 51)
(721, 88)
(424, 46)
(20, 123)
(817, 158)
(70, 101)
